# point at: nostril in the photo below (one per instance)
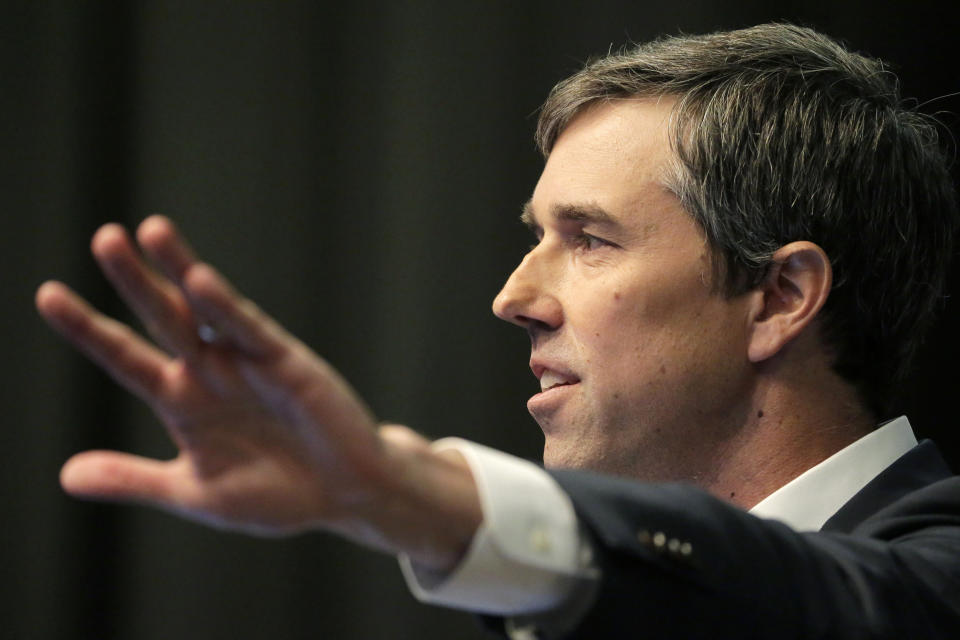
(535, 325)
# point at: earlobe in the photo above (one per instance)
(789, 298)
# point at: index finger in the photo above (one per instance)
(130, 360)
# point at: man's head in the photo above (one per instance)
(781, 134)
(712, 154)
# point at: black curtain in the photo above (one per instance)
(358, 169)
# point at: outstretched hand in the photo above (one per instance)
(271, 439)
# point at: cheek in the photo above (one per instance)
(649, 339)
(627, 350)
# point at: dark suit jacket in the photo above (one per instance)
(887, 565)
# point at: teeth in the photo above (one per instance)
(549, 379)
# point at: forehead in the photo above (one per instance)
(615, 154)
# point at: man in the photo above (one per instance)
(740, 237)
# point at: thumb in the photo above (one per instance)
(116, 476)
(403, 438)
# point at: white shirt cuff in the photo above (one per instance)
(528, 553)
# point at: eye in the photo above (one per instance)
(589, 242)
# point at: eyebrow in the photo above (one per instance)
(574, 212)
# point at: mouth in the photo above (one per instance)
(546, 406)
(552, 379)
(552, 375)
(556, 387)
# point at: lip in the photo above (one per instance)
(539, 366)
(546, 403)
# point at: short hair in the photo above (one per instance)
(780, 134)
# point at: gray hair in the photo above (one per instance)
(782, 134)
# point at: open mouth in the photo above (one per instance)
(556, 390)
(552, 380)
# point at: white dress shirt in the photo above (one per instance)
(809, 500)
(529, 553)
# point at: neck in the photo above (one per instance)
(793, 424)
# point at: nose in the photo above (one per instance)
(528, 299)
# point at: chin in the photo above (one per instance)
(583, 455)
(560, 455)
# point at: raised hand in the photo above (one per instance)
(271, 439)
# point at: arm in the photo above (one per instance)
(897, 575)
(271, 439)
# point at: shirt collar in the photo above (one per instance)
(810, 499)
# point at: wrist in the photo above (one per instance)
(427, 506)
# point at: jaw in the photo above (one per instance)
(676, 449)
(588, 452)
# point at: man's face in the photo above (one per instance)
(643, 366)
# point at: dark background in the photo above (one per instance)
(358, 169)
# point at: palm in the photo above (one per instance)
(271, 439)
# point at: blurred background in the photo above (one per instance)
(356, 167)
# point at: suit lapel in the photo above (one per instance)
(921, 466)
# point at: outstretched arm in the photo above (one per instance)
(271, 439)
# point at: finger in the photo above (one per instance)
(403, 437)
(164, 245)
(129, 359)
(156, 301)
(112, 475)
(172, 486)
(237, 318)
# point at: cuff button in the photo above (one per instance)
(540, 541)
(659, 540)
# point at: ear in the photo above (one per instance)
(789, 298)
